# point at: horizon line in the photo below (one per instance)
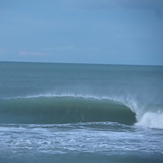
(82, 63)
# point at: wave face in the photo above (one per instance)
(64, 109)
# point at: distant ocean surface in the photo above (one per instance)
(84, 113)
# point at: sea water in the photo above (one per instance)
(64, 113)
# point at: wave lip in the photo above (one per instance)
(64, 109)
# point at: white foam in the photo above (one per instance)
(56, 95)
(151, 120)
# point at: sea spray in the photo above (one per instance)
(152, 120)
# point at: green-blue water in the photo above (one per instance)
(80, 113)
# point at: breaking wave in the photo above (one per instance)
(68, 108)
(64, 109)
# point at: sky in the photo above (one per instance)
(82, 31)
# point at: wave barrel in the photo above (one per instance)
(51, 110)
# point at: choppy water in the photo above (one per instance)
(83, 113)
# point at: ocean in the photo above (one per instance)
(85, 113)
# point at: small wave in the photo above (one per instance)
(51, 109)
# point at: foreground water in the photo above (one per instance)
(83, 113)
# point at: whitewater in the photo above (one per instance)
(80, 112)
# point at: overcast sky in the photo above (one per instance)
(82, 31)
